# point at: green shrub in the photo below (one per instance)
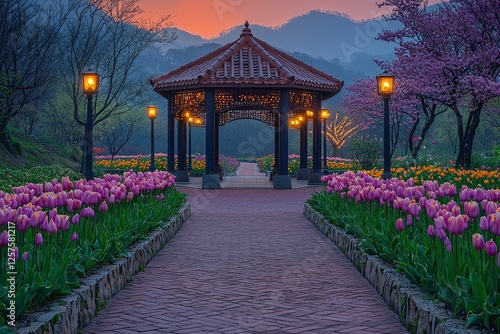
(365, 151)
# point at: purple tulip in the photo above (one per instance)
(409, 220)
(478, 241)
(4, 238)
(25, 256)
(447, 243)
(431, 231)
(75, 219)
(63, 222)
(441, 234)
(38, 239)
(399, 225)
(491, 248)
(483, 224)
(74, 237)
(23, 222)
(103, 206)
(52, 227)
(87, 212)
(471, 209)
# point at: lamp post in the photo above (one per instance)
(190, 161)
(385, 84)
(90, 85)
(152, 112)
(325, 114)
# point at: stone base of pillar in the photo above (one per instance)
(211, 181)
(181, 176)
(282, 182)
(303, 173)
(315, 177)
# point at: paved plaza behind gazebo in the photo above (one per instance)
(248, 261)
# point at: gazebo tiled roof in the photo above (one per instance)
(247, 62)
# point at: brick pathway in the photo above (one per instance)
(248, 261)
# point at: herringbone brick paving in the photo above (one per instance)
(247, 261)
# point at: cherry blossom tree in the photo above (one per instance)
(454, 56)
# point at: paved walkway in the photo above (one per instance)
(248, 261)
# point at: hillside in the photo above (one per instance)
(30, 152)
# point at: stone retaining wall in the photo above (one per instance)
(70, 314)
(417, 310)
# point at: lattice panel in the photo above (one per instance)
(304, 101)
(191, 101)
(250, 100)
(265, 116)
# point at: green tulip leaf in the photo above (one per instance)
(473, 318)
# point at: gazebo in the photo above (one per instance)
(246, 79)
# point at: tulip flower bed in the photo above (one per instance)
(266, 163)
(442, 239)
(142, 162)
(471, 178)
(53, 234)
(11, 177)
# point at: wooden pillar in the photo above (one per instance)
(210, 179)
(181, 145)
(317, 172)
(303, 172)
(170, 134)
(283, 180)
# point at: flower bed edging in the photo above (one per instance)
(417, 310)
(72, 313)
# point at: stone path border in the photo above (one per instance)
(418, 311)
(70, 314)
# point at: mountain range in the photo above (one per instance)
(331, 42)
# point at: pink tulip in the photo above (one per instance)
(24, 257)
(399, 225)
(38, 239)
(491, 248)
(478, 241)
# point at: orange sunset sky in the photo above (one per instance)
(208, 18)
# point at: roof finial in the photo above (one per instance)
(246, 31)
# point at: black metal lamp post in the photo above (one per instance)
(90, 85)
(152, 113)
(385, 84)
(325, 114)
(190, 161)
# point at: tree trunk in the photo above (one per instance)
(4, 133)
(466, 136)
